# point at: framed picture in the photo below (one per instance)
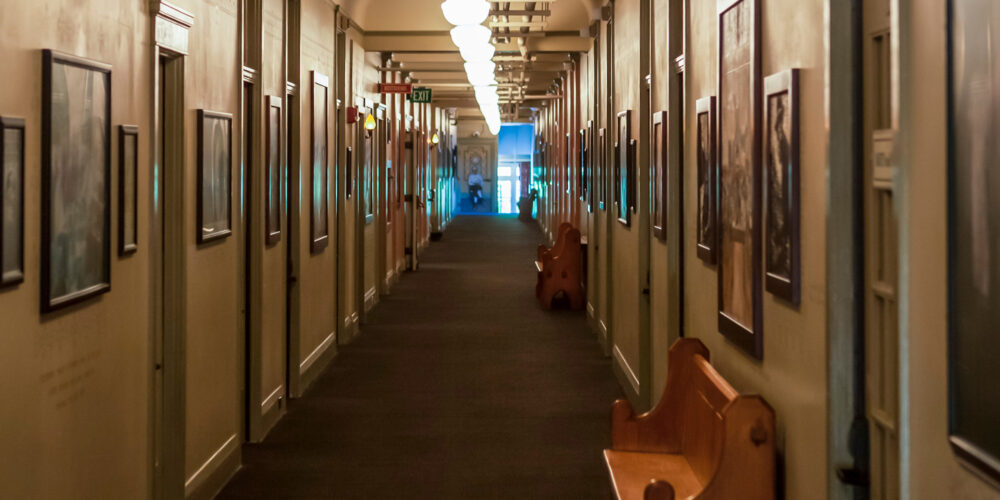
(319, 224)
(568, 149)
(707, 171)
(76, 180)
(658, 176)
(582, 165)
(128, 170)
(349, 181)
(973, 226)
(739, 274)
(215, 188)
(367, 172)
(11, 201)
(781, 182)
(625, 169)
(273, 173)
(602, 169)
(592, 184)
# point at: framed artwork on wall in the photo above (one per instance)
(592, 184)
(658, 176)
(11, 201)
(319, 224)
(273, 154)
(739, 253)
(76, 180)
(602, 169)
(582, 165)
(215, 193)
(781, 182)
(707, 170)
(366, 170)
(625, 169)
(128, 170)
(568, 164)
(348, 172)
(973, 225)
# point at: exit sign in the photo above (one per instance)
(420, 94)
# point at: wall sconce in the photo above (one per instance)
(435, 139)
(370, 122)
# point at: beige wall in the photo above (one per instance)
(59, 370)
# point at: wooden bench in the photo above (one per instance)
(703, 440)
(559, 269)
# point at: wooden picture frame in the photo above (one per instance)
(215, 187)
(582, 166)
(12, 138)
(319, 178)
(625, 169)
(739, 175)
(658, 175)
(973, 95)
(76, 180)
(707, 176)
(273, 171)
(128, 171)
(782, 248)
(592, 184)
(568, 170)
(602, 168)
(367, 173)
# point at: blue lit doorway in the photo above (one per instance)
(515, 151)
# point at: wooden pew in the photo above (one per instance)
(559, 269)
(560, 240)
(703, 441)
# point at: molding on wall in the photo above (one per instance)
(174, 14)
(209, 479)
(318, 352)
(271, 410)
(624, 371)
(272, 399)
(371, 298)
(590, 310)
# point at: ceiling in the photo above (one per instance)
(534, 40)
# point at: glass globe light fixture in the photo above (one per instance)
(459, 12)
(477, 53)
(469, 35)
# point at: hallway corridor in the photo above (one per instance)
(459, 386)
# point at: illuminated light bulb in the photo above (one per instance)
(470, 35)
(435, 139)
(459, 12)
(477, 53)
(370, 122)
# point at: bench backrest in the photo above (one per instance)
(702, 417)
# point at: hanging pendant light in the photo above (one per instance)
(469, 35)
(459, 12)
(477, 53)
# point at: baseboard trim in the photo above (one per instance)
(371, 298)
(590, 309)
(622, 364)
(212, 476)
(602, 332)
(307, 363)
(271, 410)
(321, 358)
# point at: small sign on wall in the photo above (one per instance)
(420, 94)
(395, 88)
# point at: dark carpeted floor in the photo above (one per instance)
(459, 386)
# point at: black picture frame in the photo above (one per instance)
(707, 175)
(602, 168)
(582, 165)
(66, 178)
(128, 205)
(273, 171)
(12, 138)
(568, 156)
(658, 175)
(215, 174)
(349, 177)
(319, 216)
(782, 248)
(592, 184)
(973, 96)
(625, 169)
(740, 260)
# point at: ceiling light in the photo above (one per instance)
(459, 12)
(470, 35)
(476, 53)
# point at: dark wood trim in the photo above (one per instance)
(13, 277)
(127, 248)
(747, 338)
(786, 287)
(658, 169)
(228, 118)
(272, 235)
(49, 303)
